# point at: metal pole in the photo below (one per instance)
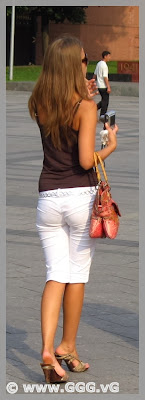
(12, 42)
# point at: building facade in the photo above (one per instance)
(113, 28)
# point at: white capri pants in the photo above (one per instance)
(63, 220)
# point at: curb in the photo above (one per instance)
(117, 88)
(125, 88)
(23, 86)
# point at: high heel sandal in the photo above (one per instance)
(69, 358)
(51, 375)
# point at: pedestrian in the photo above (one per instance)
(101, 74)
(66, 115)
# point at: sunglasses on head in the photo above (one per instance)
(85, 59)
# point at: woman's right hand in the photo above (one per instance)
(112, 139)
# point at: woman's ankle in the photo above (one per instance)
(65, 348)
(47, 355)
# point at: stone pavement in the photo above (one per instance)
(108, 332)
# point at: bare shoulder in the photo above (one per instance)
(88, 105)
(86, 111)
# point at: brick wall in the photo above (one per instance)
(113, 28)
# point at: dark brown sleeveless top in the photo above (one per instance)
(61, 168)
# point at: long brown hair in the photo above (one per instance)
(60, 79)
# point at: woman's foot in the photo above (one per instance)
(49, 358)
(63, 350)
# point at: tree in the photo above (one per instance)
(58, 14)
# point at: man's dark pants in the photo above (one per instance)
(103, 104)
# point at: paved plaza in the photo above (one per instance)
(108, 332)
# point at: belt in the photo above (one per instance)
(68, 192)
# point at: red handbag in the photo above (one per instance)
(105, 214)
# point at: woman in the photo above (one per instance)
(67, 117)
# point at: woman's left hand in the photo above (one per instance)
(92, 87)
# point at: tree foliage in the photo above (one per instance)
(56, 13)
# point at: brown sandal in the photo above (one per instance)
(69, 358)
(51, 375)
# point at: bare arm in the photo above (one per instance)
(107, 84)
(87, 135)
(112, 142)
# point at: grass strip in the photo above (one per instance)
(31, 72)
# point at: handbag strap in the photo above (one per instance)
(96, 155)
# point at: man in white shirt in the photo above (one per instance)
(101, 74)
